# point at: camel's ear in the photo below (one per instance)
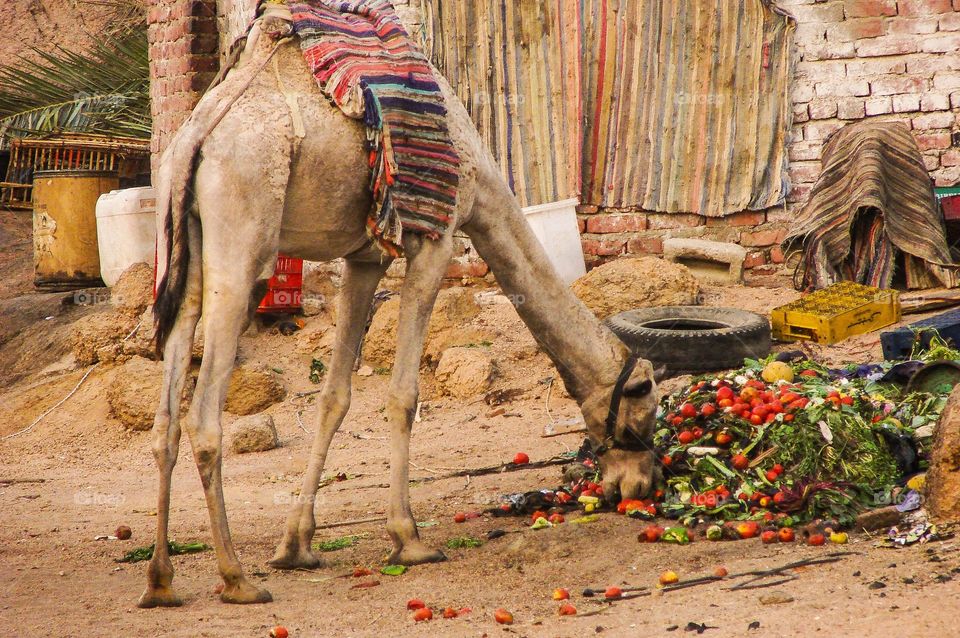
(637, 389)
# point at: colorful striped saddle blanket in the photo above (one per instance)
(365, 62)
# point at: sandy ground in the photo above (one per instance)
(56, 580)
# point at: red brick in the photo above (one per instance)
(776, 255)
(582, 225)
(603, 247)
(944, 119)
(800, 151)
(931, 63)
(950, 158)
(923, 7)
(934, 102)
(913, 26)
(587, 209)
(887, 45)
(799, 193)
(894, 84)
(905, 103)
(947, 80)
(931, 161)
(858, 29)
(472, 268)
(956, 5)
(800, 113)
(754, 259)
(743, 218)
(947, 176)
(822, 71)
(869, 8)
(878, 106)
(815, 131)
(762, 237)
(930, 141)
(645, 245)
(850, 109)
(823, 109)
(881, 66)
(669, 221)
(950, 21)
(625, 223)
(942, 43)
(829, 51)
(805, 172)
(842, 87)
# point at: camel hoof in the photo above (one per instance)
(294, 559)
(243, 593)
(158, 597)
(416, 554)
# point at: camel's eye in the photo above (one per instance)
(638, 389)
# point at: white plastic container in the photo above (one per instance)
(126, 230)
(555, 225)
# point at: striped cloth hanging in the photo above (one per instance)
(364, 60)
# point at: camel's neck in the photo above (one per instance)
(586, 354)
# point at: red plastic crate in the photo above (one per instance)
(285, 288)
(951, 207)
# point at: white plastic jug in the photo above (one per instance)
(555, 225)
(126, 230)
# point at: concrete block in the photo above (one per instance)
(709, 261)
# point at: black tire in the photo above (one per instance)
(690, 339)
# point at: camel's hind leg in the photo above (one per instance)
(166, 426)
(356, 297)
(427, 262)
(239, 254)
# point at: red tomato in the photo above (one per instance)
(788, 417)
(708, 409)
(677, 420)
(756, 420)
(740, 462)
(667, 459)
(770, 418)
(778, 468)
(786, 535)
(761, 411)
(723, 438)
(771, 476)
(686, 437)
(423, 614)
(688, 410)
(450, 612)
(724, 393)
(415, 603)
(725, 403)
(459, 517)
(769, 536)
(816, 539)
(847, 400)
(521, 458)
(612, 592)
(697, 432)
(566, 609)
(503, 616)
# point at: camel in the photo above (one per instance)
(265, 164)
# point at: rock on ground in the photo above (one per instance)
(255, 433)
(134, 393)
(253, 390)
(640, 282)
(465, 372)
(133, 292)
(943, 478)
(449, 326)
(98, 332)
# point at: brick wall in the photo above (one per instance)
(855, 59)
(184, 47)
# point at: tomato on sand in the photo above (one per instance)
(423, 614)
(503, 616)
(786, 535)
(279, 632)
(720, 572)
(566, 609)
(612, 592)
(521, 458)
(561, 594)
(415, 603)
(459, 517)
(450, 612)
(669, 578)
(769, 536)
(816, 539)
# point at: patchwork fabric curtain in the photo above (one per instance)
(670, 106)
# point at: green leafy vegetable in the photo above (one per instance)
(146, 553)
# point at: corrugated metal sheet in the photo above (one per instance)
(681, 106)
(516, 67)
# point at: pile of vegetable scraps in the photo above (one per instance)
(788, 443)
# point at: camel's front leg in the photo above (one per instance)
(356, 297)
(427, 262)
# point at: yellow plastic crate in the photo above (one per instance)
(835, 313)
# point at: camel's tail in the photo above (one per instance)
(176, 199)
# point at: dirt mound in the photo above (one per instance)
(449, 326)
(943, 479)
(133, 292)
(465, 372)
(640, 282)
(253, 390)
(255, 433)
(100, 333)
(134, 392)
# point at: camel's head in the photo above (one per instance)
(620, 421)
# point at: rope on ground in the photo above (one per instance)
(70, 394)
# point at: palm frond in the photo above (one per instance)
(104, 91)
